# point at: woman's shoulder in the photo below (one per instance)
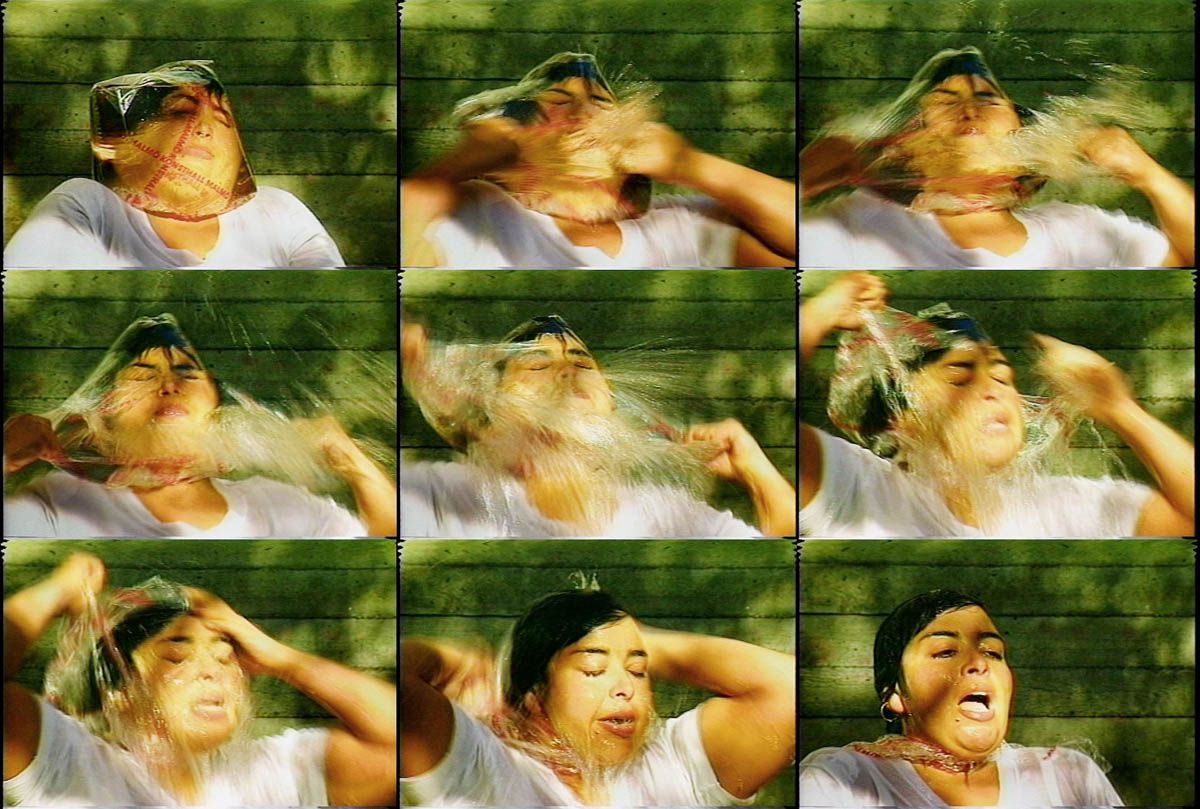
(836, 759)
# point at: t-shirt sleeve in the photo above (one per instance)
(294, 759)
(336, 521)
(823, 242)
(693, 232)
(62, 232)
(1081, 782)
(846, 472)
(28, 515)
(823, 782)
(687, 746)
(1102, 507)
(1103, 238)
(473, 772)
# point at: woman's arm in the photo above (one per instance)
(374, 490)
(749, 727)
(360, 762)
(1098, 389)
(433, 193)
(1114, 150)
(27, 616)
(835, 307)
(765, 206)
(739, 458)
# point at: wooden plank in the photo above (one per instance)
(298, 19)
(1152, 591)
(884, 554)
(1035, 285)
(65, 152)
(898, 54)
(677, 285)
(664, 16)
(426, 557)
(87, 60)
(187, 555)
(70, 324)
(1013, 18)
(698, 55)
(1165, 692)
(1033, 642)
(344, 286)
(351, 108)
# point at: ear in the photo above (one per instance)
(895, 704)
(104, 149)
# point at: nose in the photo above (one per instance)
(977, 663)
(169, 386)
(623, 686)
(204, 123)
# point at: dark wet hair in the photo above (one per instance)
(134, 629)
(159, 332)
(122, 104)
(904, 624)
(879, 414)
(551, 624)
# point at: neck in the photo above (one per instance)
(198, 237)
(195, 502)
(581, 498)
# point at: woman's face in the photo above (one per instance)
(968, 404)
(195, 682)
(162, 388)
(188, 155)
(558, 371)
(961, 128)
(573, 100)
(956, 687)
(598, 694)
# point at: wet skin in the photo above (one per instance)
(162, 387)
(558, 370)
(956, 689)
(598, 694)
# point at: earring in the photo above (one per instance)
(884, 712)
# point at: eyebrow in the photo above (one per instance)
(602, 651)
(946, 633)
(182, 366)
(578, 352)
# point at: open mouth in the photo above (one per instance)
(995, 425)
(171, 411)
(623, 725)
(977, 705)
(198, 151)
(212, 708)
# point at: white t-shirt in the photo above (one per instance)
(456, 500)
(491, 229)
(480, 770)
(74, 768)
(863, 496)
(867, 230)
(62, 505)
(1029, 777)
(83, 225)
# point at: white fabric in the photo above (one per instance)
(83, 225)
(480, 770)
(455, 500)
(866, 230)
(863, 496)
(62, 505)
(74, 768)
(1029, 777)
(491, 229)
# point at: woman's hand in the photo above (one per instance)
(1115, 151)
(828, 163)
(340, 452)
(1087, 381)
(840, 304)
(80, 577)
(29, 438)
(658, 152)
(414, 349)
(258, 653)
(736, 455)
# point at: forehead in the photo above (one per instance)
(618, 637)
(162, 355)
(971, 352)
(967, 621)
(188, 627)
(966, 83)
(577, 85)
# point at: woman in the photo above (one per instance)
(949, 445)
(550, 452)
(555, 172)
(946, 692)
(149, 444)
(171, 188)
(148, 703)
(942, 179)
(577, 724)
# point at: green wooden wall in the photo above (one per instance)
(856, 53)
(471, 591)
(333, 598)
(1101, 639)
(739, 323)
(1142, 320)
(271, 334)
(727, 70)
(313, 83)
